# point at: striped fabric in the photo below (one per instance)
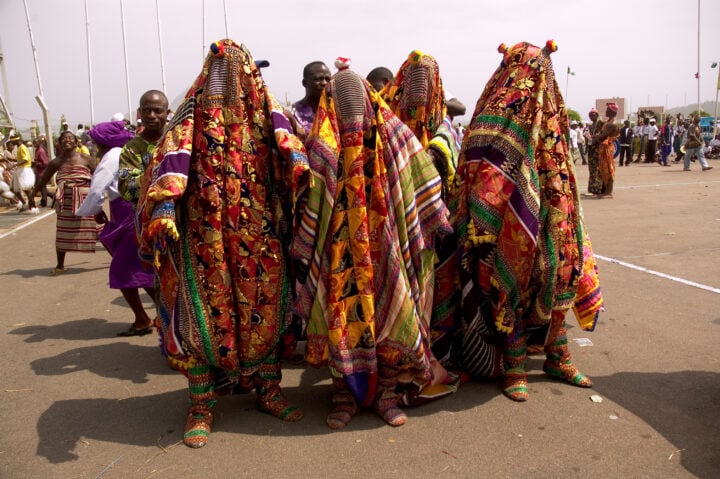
(74, 234)
(366, 235)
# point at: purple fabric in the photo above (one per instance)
(304, 114)
(111, 133)
(118, 237)
(517, 201)
(176, 162)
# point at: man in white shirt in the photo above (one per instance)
(640, 136)
(652, 132)
(574, 140)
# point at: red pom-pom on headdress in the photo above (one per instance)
(502, 48)
(217, 49)
(550, 46)
(342, 63)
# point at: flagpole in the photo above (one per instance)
(717, 89)
(127, 71)
(567, 83)
(90, 82)
(162, 56)
(698, 62)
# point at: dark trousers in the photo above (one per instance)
(625, 153)
(651, 150)
(583, 153)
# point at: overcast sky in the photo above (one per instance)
(641, 50)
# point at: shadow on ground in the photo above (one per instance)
(667, 402)
(124, 365)
(159, 419)
(672, 404)
(33, 273)
(88, 329)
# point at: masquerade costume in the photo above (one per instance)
(366, 236)
(518, 221)
(213, 218)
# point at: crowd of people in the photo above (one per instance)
(406, 256)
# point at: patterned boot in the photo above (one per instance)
(344, 406)
(202, 399)
(386, 401)
(514, 383)
(558, 362)
(270, 397)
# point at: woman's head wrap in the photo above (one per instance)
(111, 134)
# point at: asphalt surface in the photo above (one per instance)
(79, 402)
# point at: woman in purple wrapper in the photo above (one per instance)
(118, 235)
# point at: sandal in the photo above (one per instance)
(57, 271)
(133, 331)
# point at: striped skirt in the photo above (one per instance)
(74, 234)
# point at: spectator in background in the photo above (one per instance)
(39, 165)
(379, 77)
(652, 133)
(582, 143)
(694, 145)
(315, 76)
(626, 139)
(640, 133)
(595, 184)
(574, 140)
(666, 140)
(23, 178)
(679, 139)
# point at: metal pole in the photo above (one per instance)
(162, 56)
(204, 47)
(717, 89)
(40, 98)
(227, 35)
(34, 50)
(127, 70)
(6, 101)
(48, 129)
(90, 82)
(698, 62)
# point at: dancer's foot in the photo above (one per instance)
(344, 408)
(515, 385)
(566, 371)
(386, 406)
(272, 401)
(197, 427)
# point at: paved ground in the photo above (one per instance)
(80, 402)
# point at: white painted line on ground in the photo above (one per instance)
(657, 273)
(657, 185)
(28, 223)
